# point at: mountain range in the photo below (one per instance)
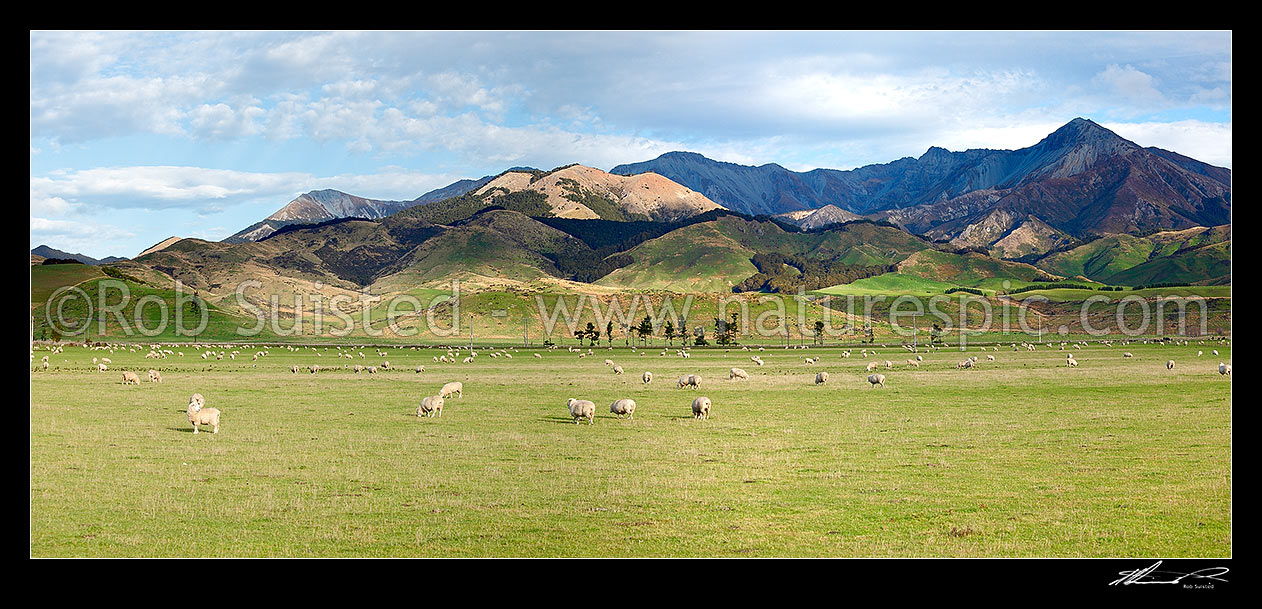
(1082, 204)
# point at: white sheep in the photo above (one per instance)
(623, 407)
(130, 378)
(198, 414)
(617, 369)
(430, 405)
(101, 368)
(872, 366)
(453, 388)
(821, 377)
(420, 369)
(155, 376)
(701, 408)
(537, 356)
(691, 380)
(737, 373)
(647, 377)
(1127, 354)
(1169, 364)
(580, 409)
(876, 379)
(608, 362)
(1224, 369)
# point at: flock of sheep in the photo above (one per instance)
(579, 409)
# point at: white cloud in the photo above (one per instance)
(1132, 86)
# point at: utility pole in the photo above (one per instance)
(471, 316)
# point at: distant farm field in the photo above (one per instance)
(1021, 456)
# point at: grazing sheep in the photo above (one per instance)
(872, 366)
(1224, 369)
(737, 373)
(1071, 362)
(372, 370)
(385, 365)
(1169, 364)
(990, 357)
(968, 363)
(617, 369)
(130, 378)
(155, 376)
(430, 405)
(101, 368)
(821, 377)
(1215, 353)
(888, 364)
(1199, 353)
(647, 377)
(623, 407)
(453, 388)
(1127, 354)
(608, 362)
(314, 368)
(538, 356)
(580, 409)
(701, 408)
(420, 369)
(877, 379)
(294, 369)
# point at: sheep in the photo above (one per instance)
(877, 379)
(1199, 353)
(990, 358)
(617, 369)
(453, 388)
(821, 377)
(358, 368)
(608, 362)
(198, 414)
(385, 365)
(420, 369)
(1169, 364)
(872, 366)
(430, 405)
(1071, 362)
(537, 356)
(701, 408)
(101, 368)
(294, 369)
(912, 362)
(1224, 369)
(580, 409)
(314, 368)
(737, 373)
(647, 377)
(1127, 354)
(623, 407)
(155, 376)
(968, 363)
(130, 378)
(1215, 353)
(372, 370)
(888, 365)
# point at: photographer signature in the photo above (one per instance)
(1147, 575)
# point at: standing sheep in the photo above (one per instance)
(623, 407)
(617, 369)
(1169, 364)
(453, 388)
(877, 379)
(1224, 369)
(430, 405)
(701, 408)
(580, 409)
(821, 377)
(130, 378)
(737, 373)
(647, 377)
(155, 376)
(872, 366)
(198, 414)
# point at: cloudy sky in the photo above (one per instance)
(138, 136)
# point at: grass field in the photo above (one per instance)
(1019, 457)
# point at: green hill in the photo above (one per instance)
(1186, 256)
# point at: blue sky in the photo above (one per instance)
(138, 136)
